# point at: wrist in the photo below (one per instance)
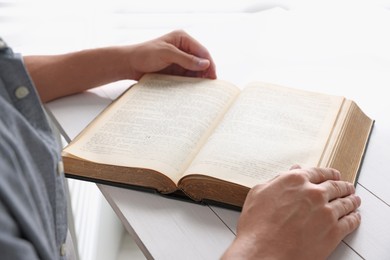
(244, 249)
(118, 63)
(131, 61)
(250, 247)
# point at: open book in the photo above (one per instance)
(212, 141)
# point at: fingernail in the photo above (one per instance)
(358, 200)
(358, 215)
(337, 175)
(203, 63)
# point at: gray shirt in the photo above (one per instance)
(33, 216)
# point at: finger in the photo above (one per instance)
(349, 223)
(201, 58)
(344, 206)
(338, 189)
(319, 175)
(185, 60)
(295, 166)
(190, 45)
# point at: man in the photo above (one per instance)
(301, 214)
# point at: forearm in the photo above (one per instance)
(61, 75)
(175, 53)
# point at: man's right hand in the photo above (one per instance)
(301, 214)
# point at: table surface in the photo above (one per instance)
(297, 48)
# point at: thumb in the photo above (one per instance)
(188, 61)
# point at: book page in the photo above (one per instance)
(266, 131)
(158, 124)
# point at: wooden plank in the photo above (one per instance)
(372, 238)
(165, 228)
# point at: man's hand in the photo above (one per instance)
(301, 214)
(176, 53)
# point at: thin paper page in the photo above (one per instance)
(159, 124)
(266, 131)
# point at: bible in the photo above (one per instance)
(210, 141)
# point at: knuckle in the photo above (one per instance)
(295, 178)
(354, 202)
(178, 32)
(329, 214)
(317, 194)
(313, 169)
(178, 37)
(352, 222)
(347, 205)
(336, 186)
(319, 173)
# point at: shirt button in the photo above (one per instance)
(60, 168)
(21, 92)
(63, 250)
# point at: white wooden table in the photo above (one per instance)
(338, 53)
